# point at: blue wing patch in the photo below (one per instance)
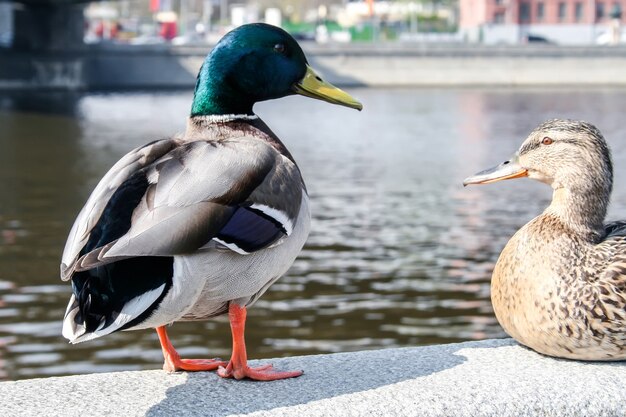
(250, 230)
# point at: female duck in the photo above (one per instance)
(193, 227)
(559, 286)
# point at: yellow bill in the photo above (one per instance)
(313, 86)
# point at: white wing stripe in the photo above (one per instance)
(231, 246)
(280, 216)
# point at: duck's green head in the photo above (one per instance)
(258, 62)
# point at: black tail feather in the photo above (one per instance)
(102, 292)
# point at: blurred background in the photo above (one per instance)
(400, 254)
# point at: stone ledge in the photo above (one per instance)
(123, 68)
(487, 378)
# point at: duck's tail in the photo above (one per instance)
(115, 296)
(76, 329)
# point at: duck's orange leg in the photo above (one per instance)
(174, 363)
(238, 366)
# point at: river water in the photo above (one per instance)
(400, 254)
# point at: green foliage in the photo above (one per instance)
(362, 33)
(368, 32)
(298, 27)
(432, 23)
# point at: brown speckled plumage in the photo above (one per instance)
(559, 286)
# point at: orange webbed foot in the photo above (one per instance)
(259, 373)
(238, 366)
(193, 365)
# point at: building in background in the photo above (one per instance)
(189, 21)
(559, 21)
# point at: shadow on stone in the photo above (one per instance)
(324, 377)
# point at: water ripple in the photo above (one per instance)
(400, 254)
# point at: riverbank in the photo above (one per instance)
(123, 67)
(487, 378)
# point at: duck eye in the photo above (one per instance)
(547, 141)
(280, 48)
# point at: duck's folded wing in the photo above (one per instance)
(613, 251)
(615, 229)
(231, 193)
(608, 265)
(91, 212)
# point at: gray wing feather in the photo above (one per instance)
(93, 208)
(189, 199)
(278, 187)
(213, 171)
(186, 229)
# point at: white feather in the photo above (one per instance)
(277, 215)
(131, 310)
(231, 246)
(222, 118)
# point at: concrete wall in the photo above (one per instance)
(371, 65)
(472, 66)
(476, 379)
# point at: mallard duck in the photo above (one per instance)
(559, 286)
(196, 226)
